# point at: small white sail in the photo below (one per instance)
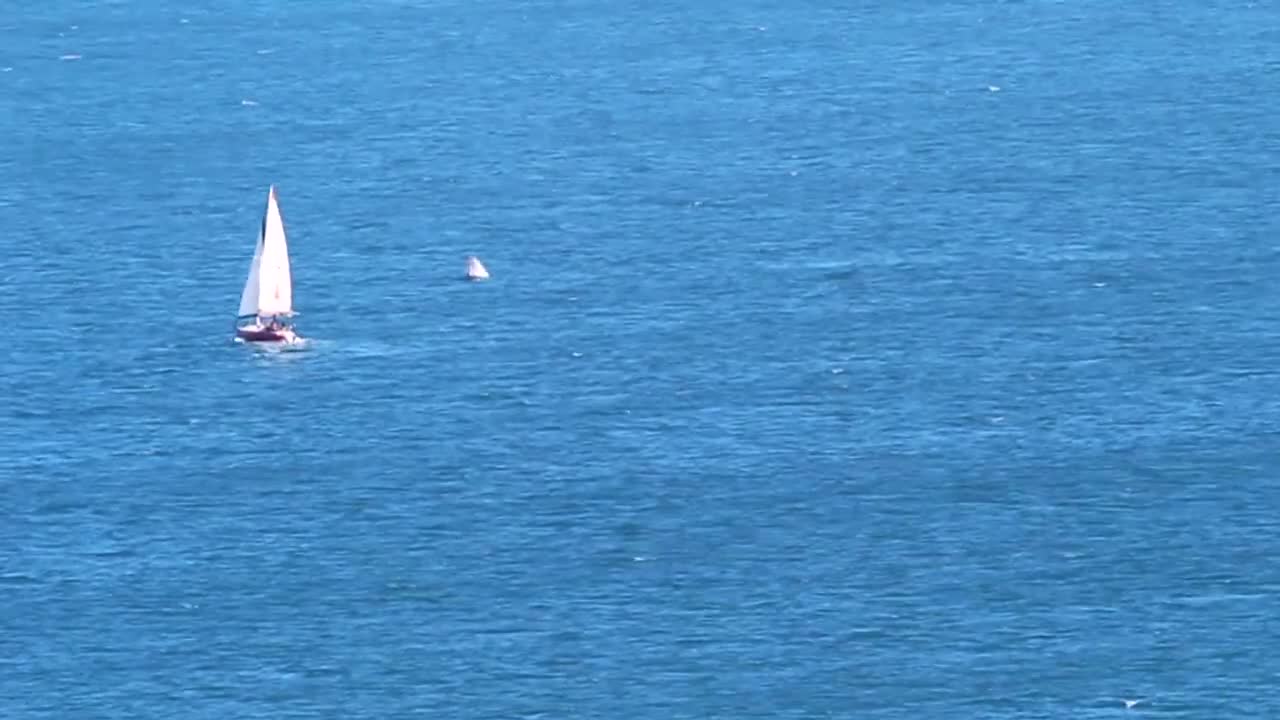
(475, 269)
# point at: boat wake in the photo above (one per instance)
(371, 349)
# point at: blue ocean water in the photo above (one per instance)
(862, 360)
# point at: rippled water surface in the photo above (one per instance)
(861, 360)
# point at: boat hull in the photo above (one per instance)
(265, 335)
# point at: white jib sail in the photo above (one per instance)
(249, 297)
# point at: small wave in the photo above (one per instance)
(1214, 598)
(810, 265)
(17, 578)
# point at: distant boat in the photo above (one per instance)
(266, 304)
(476, 269)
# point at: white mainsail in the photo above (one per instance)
(269, 288)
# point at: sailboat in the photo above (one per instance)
(266, 304)
(475, 269)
